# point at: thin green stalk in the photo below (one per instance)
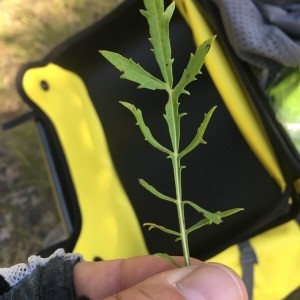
(180, 209)
(173, 121)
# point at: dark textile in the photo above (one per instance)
(50, 282)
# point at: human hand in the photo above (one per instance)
(151, 277)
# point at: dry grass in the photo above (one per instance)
(29, 30)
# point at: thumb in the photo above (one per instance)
(209, 281)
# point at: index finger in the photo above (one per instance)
(101, 279)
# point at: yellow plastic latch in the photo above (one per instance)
(110, 228)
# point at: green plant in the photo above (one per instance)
(158, 20)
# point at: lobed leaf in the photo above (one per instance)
(198, 139)
(162, 228)
(133, 71)
(158, 20)
(143, 127)
(194, 66)
(155, 192)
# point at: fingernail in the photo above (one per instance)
(210, 281)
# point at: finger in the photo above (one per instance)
(205, 281)
(100, 279)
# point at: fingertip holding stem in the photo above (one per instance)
(209, 281)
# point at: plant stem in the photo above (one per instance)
(180, 208)
(173, 121)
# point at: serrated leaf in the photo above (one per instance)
(162, 228)
(169, 258)
(133, 71)
(143, 127)
(158, 20)
(155, 192)
(194, 66)
(211, 217)
(198, 139)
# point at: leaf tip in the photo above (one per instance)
(129, 106)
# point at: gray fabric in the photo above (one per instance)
(248, 260)
(264, 33)
(54, 281)
(11, 276)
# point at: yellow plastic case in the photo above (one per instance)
(96, 153)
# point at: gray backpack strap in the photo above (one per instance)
(248, 259)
